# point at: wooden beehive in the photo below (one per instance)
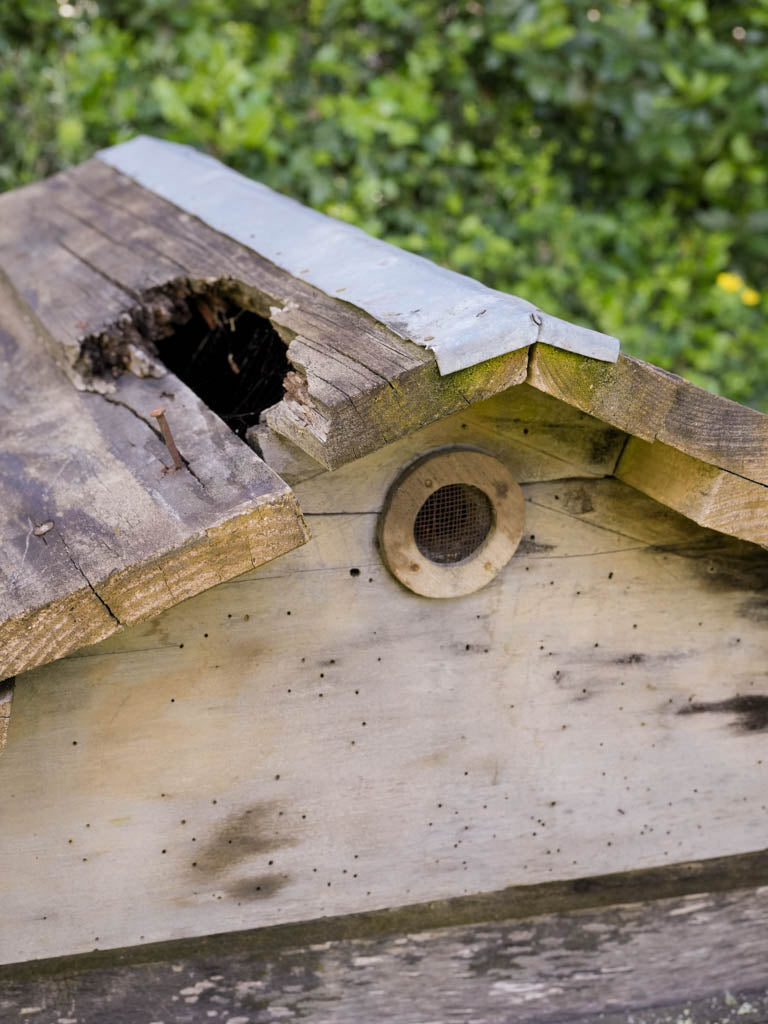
(241, 698)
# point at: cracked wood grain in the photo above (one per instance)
(94, 533)
(115, 247)
(6, 703)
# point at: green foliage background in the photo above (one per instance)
(605, 160)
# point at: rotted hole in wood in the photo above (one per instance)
(233, 359)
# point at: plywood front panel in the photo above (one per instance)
(312, 739)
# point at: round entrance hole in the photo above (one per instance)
(452, 523)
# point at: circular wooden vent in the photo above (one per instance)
(451, 522)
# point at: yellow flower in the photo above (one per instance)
(729, 282)
(750, 297)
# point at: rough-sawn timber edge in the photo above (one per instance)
(715, 875)
(694, 959)
(698, 453)
(248, 538)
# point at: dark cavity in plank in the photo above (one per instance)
(230, 357)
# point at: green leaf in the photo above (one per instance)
(70, 132)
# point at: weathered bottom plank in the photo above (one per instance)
(696, 959)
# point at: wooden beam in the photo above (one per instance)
(652, 404)
(695, 958)
(628, 394)
(716, 430)
(95, 533)
(709, 496)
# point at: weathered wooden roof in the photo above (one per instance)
(88, 260)
(461, 320)
(94, 533)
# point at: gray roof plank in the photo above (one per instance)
(461, 320)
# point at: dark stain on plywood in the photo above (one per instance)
(32, 492)
(242, 835)
(751, 711)
(755, 609)
(7, 344)
(724, 563)
(634, 658)
(530, 546)
(577, 500)
(258, 887)
(604, 443)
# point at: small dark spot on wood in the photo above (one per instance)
(577, 501)
(529, 546)
(258, 888)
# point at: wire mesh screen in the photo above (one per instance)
(452, 523)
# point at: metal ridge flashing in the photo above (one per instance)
(461, 320)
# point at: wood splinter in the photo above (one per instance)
(165, 430)
(6, 699)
